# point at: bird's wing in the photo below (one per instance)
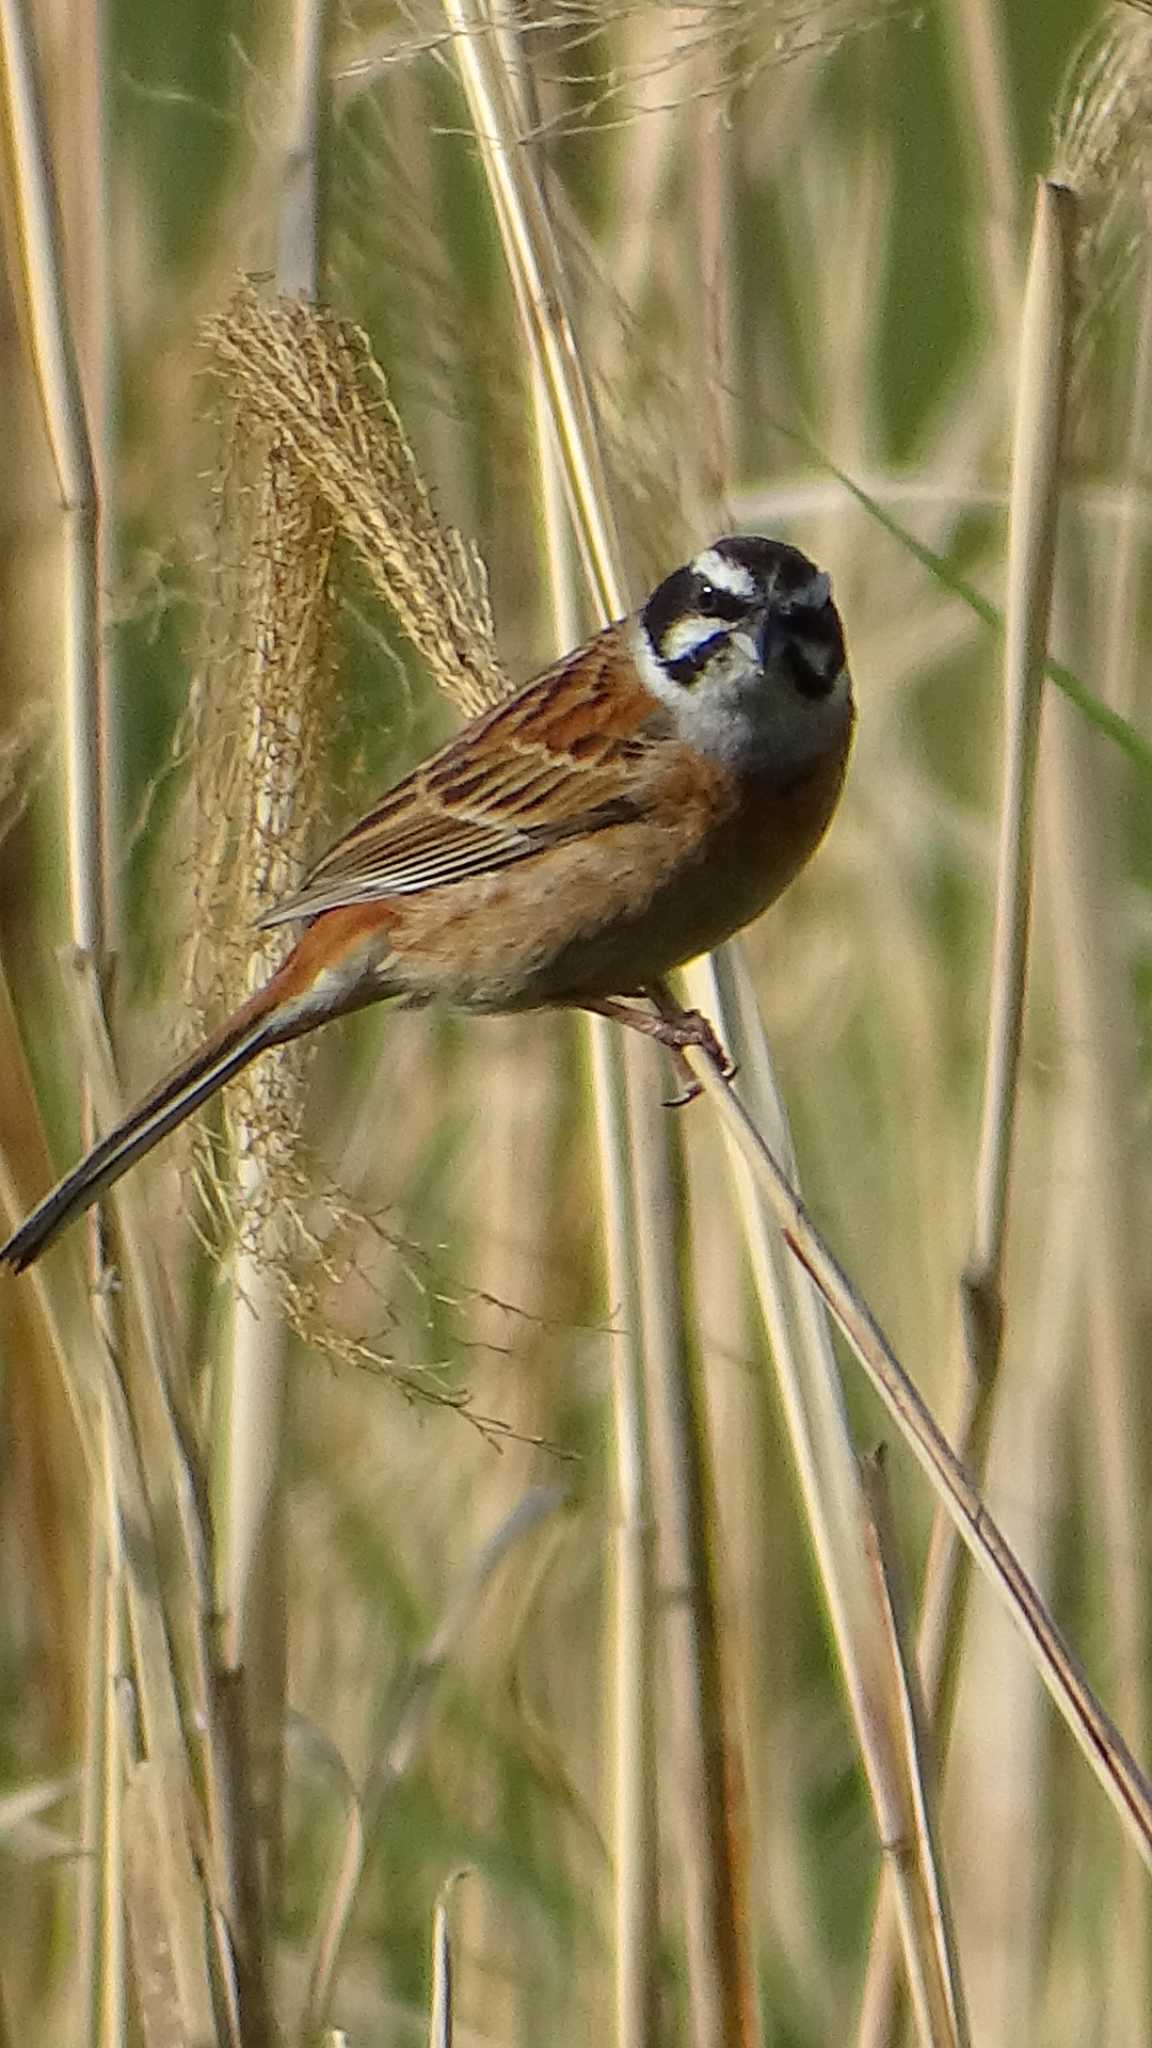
(570, 753)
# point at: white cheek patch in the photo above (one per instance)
(708, 718)
(651, 669)
(734, 664)
(743, 715)
(689, 634)
(727, 575)
(686, 635)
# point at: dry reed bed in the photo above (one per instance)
(659, 1800)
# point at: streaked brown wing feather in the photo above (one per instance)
(566, 755)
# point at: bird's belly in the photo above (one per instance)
(610, 913)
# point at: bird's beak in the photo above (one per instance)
(811, 639)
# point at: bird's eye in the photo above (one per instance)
(712, 601)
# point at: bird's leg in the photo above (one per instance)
(671, 1026)
(690, 1027)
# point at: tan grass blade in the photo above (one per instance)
(55, 358)
(719, 1968)
(631, 1235)
(1084, 803)
(977, 30)
(494, 88)
(811, 1396)
(62, 404)
(704, 1771)
(1041, 401)
(163, 2017)
(634, 1763)
(441, 2030)
(912, 1846)
(537, 275)
(1096, 1735)
(178, 1890)
(493, 129)
(104, 1913)
(1042, 393)
(614, 1070)
(154, 1482)
(275, 683)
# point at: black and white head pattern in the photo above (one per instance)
(735, 589)
(736, 639)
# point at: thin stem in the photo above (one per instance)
(708, 1779)
(1033, 512)
(538, 277)
(1096, 1735)
(253, 1412)
(937, 1992)
(635, 1895)
(812, 1399)
(1031, 555)
(56, 365)
(494, 88)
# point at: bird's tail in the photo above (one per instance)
(250, 1031)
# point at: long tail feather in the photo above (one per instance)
(250, 1032)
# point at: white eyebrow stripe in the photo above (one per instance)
(725, 574)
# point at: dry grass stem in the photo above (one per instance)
(1043, 380)
(495, 92)
(628, 1249)
(1082, 843)
(155, 1482)
(705, 1774)
(300, 224)
(441, 2029)
(51, 325)
(539, 281)
(811, 1396)
(976, 27)
(1038, 450)
(912, 1844)
(1098, 1738)
(57, 370)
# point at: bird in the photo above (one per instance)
(627, 809)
